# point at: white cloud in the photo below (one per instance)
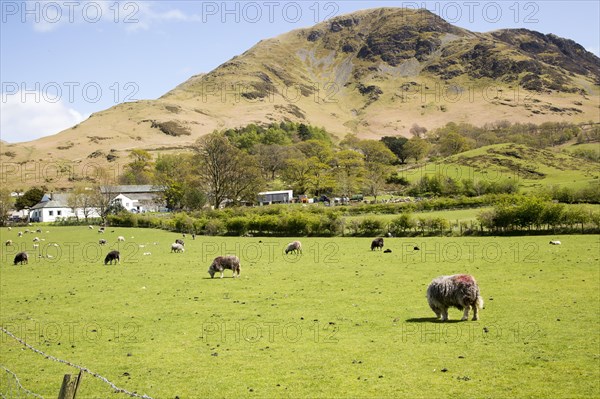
(25, 118)
(47, 15)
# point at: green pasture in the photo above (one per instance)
(336, 321)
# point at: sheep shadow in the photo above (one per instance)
(217, 278)
(430, 320)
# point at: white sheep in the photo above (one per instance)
(176, 247)
(120, 238)
(294, 246)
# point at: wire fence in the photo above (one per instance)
(68, 363)
(11, 386)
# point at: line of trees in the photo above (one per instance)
(534, 213)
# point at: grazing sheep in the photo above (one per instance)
(38, 231)
(8, 243)
(294, 246)
(36, 239)
(147, 253)
(101, 230)
(180, 241)
(36, 245)
(416, 248)
(120, 238)
(90, 227)
(21, 257)
(387, 251)
(9, 228)
(459, 290)
(112, 256)
(20, 234)
(176, 247)
(377, 243)
(193, 236)
(556, 242)
(221, 263)
(102, 241)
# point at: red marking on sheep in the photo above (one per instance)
(464, 278)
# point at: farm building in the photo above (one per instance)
(275, 197)
(55, 206)
(137, 198)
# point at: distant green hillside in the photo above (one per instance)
(532, 168)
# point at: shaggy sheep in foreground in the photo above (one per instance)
(221, 263)
(112, 256)
(21, 257)
(459, 290)
(295, 246)
(377, 243)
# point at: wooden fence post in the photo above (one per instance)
(69, 387)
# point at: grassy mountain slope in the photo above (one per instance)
(374, 72)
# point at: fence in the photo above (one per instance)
(70, 383)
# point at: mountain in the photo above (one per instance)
(373, 72)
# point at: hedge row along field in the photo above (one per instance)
(508, 214)
(339, 320)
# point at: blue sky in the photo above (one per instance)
(60, 61)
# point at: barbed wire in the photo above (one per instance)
(68, 363)
(27, 391)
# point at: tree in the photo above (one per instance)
(349, 171)
(376, 151)
(454, 143)
(396, 145)
(296, 173)
(81, 197)
(416, 148)
(30, 198)
(245, 180)
(139, 170)
(222, 170)
(320, 177)
(178, 175)
(272, 158)
(400, 224)
(318, 149)
(350, 141)
(375, 178)
(6, 204)
(418, 131)
(103, 193)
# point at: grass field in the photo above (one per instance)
(336, 321)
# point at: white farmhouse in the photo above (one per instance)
(55, 206)
(137, 198)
